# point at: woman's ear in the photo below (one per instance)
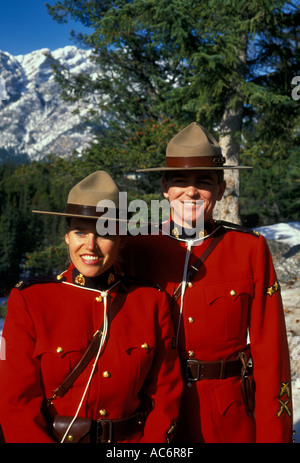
(67, 241)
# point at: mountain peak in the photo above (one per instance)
(35, 120)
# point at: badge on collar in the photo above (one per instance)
(80, 280)
(111, 278)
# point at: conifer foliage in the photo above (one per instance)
(163, 64)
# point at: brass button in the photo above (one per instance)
(106, 374)
(59, 277)
(99, 298)
(232, 292)
(191, 320)
(191, 353)
(103, 412)
(59, 350)
(190, 284)
(145, 346)
(70, 438)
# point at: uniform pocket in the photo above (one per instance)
(233, 423)
(228, 394)
(58, 356)
(137, 355)
(144, 342)
(229, 304)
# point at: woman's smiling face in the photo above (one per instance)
(91, 253)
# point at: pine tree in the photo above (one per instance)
(226, 64)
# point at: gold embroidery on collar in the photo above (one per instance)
(111, 278)
(80, 280)
(175, 232)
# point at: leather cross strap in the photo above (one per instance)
(93, 346)
(195, 267)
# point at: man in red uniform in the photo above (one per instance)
(219, 302)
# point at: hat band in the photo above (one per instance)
(78, 209)
(194, 161)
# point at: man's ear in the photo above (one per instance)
(222, 188)
(165, 187)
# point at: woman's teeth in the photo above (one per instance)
(90, 258)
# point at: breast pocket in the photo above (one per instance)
(137, 353)
(229, 304)
(58, 356)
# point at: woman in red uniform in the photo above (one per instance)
(50, 323)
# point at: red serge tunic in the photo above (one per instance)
(48, 328)
(235, 293)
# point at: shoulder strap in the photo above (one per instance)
(33, 280)
(236, 227)
(195, 267)
(93, 346)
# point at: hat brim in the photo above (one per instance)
(157, 169)
(79, 216)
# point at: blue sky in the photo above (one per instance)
(25, 26)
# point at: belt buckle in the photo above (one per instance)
(104, 431)
(188, 371)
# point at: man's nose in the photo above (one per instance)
(192, 191)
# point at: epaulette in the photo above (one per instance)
(235, 226)
(22, 284)
(129, 279)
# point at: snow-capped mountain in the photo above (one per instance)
(34, 120)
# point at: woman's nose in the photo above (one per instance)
(91, 241)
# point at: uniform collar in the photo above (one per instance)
(101, 282)
(181, 235)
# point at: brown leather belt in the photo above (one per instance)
(197, 369)
(86, 430)
(117, 430)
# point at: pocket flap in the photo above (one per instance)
(60, 346)
(130, 341)
(226, 394)
(230, 289)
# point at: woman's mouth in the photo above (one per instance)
(90, 259)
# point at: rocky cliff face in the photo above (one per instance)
(34, 120)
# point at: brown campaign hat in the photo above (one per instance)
(193, 148)
(85, 195)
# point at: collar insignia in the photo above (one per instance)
(80, 280)
(111, 278)
(175, 232)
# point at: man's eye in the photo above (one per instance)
(178, 181)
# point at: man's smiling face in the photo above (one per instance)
(188, 187)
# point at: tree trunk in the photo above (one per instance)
(230, 135)
(228, 207)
